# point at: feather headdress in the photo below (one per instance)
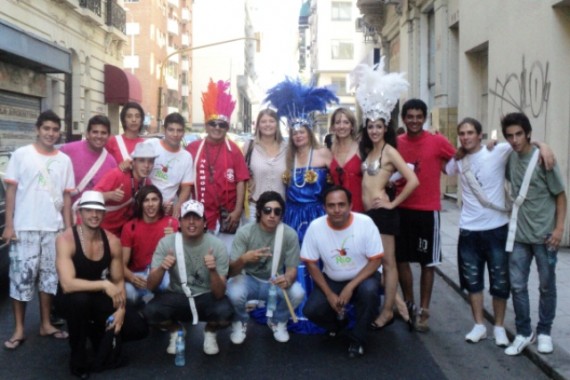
(217, 103)
(296, 101)
(377, 92)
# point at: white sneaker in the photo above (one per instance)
(501, 338)
(280, 332)
(171, 349)
(545, 344)
(210, 343)
(476, 334)
(519, 344)
(238, 332)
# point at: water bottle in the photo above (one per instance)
(180, 358)
(271, 301)
(108, 324)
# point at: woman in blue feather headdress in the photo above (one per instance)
(307, 162)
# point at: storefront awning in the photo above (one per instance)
(23, 49)
(121, 86)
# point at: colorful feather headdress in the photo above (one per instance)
(377, 92)
(217, 103)
(296, 101)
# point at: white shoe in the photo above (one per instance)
(476, 334)
(501, 338)
(210, 343)
(545, 344)
(280, 332)
(238, 332)
(171, 349)
(519, 344)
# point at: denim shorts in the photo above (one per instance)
(474, 249)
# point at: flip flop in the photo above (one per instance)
(57, 334)
(13, 344)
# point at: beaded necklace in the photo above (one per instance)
(306, 167)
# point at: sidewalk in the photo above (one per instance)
(556, 365)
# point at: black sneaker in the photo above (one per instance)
(355, 350)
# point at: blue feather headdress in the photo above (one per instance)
(296, 101)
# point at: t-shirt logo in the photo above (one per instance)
(162, 170)
(341, 254)
(230, 175)
(42, 181)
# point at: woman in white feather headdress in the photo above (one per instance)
(377, 93)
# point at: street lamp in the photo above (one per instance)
(256, 38)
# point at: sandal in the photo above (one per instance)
(14, 344)
(422, 322)
(412, 312)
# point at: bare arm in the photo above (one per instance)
(233, 217)
(9, 233)
(182, 197)
(286, 280)
(252, 256)
(66, 212)
(556, 236)
(217, 282)
(157, 274)
(411, 179)
(319, 280)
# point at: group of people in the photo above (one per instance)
(128, 232)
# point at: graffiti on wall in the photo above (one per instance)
(527, 91)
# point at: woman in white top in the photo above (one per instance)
(265, 157)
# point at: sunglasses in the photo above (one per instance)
(276, 210)
(222, 124)
(340, 173)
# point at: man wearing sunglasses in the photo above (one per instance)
(251, 262)
(219, 166)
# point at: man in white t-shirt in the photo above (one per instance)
(38, 181)
(349, 246)
(173, 171)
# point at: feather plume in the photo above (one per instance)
(377, 92)
(296, 101)
(216, 102)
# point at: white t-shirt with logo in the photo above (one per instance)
(34, 209)
(488, 167)
(171, 169)
(344, 252)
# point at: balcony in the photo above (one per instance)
(116, 16)
(185, 15)
(374, 12)
(172, 26)
(175, 58)
(185, 65)
(185, 40)
(92, 5)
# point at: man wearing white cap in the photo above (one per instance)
(197, 288)
(91, 286)
(119, 188)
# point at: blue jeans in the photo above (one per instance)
(519, 268)
(243, 288)
(137, 296)
(474, 249)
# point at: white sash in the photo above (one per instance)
(476, 187)
(122, 148)
(88, 177)
(179, 247)
(519, 201)
(275, 259)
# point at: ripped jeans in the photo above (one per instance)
(474, 249)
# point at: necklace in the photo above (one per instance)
(212, 164)
(82, 241)
(306, 167)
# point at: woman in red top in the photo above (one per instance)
(345, 166)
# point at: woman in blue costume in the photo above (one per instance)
(306, 178)
(307, 168)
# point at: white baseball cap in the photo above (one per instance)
(192, 206)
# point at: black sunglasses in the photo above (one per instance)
(340, 172)
(221, 124)
(276, 210)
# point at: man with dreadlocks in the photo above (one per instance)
(219, 166)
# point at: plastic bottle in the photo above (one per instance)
(271, 301)
(551, 251)
(180, 358)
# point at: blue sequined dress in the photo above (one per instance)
(304, 200)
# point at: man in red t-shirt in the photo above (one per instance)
(419, 239)
(119, 188)
(139, 239)
(220, 170)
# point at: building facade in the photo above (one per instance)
(63, 55)
(483, 58)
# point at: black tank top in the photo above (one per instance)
(88, 269)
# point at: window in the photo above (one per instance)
(341, 11)
(339, 83)
(133, 29)
(131, 1)
(342, 49)
(131, 61)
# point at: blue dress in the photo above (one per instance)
(304, 200)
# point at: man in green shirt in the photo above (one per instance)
(252, 258)
(201, 294)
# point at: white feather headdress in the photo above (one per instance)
(377, 92)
